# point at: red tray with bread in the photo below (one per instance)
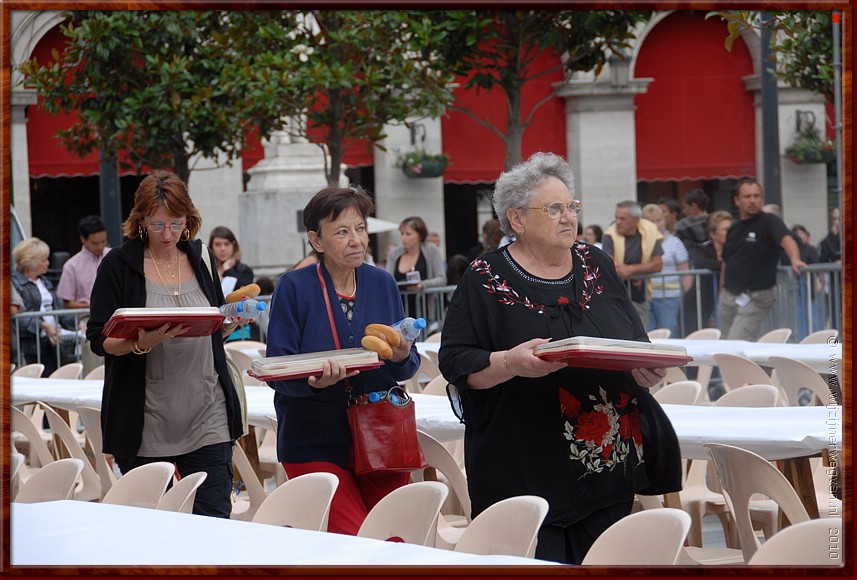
(126, 322)
(612, 354)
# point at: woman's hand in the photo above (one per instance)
(648, 378)
(402, 351)
(147, 339)
(51, 332)
(331, 373)
(521, 362)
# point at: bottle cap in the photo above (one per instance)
(261, 306)
(420, 323)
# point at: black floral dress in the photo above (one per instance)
(573, 436)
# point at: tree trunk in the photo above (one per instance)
(334, 140)
(182, 167)
(514, 130)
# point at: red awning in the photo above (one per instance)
(697, 119)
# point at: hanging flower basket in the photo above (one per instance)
(420, 164)
(810, 147)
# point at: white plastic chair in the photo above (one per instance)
(96, 374)
(38, 452)
(811, 543)
(435, 337)
(302, 502)
(143, 486)
(645, 538)
(750, 396)
(680, 393)
(91, 418)
(703, 372)
(441, 459)
(33, 371)
(90, 490)
(53, 482)
(407, 514)
(69, 371)
(738, 371)
(509, 527)
(180, 497)
(660, 333)
(779, 335)
(436, 386)
(743, 473)
(244, 508)
(825, 336)
(244, 362)
(795, 375)
(245, 344)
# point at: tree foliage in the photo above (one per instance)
(346, 73)
(501, 48)
(143, 82)
(803, 41)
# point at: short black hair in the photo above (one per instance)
(89, 225)
(672, 204)
(699, 197)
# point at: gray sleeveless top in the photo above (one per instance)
(185, 405)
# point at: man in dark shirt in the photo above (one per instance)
(830, 248)
(750, 259)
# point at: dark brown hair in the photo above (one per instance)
(161, 190)
(418, 225)
(332, 201)
(224, 233)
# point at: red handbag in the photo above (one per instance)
(383, 424)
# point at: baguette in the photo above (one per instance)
(248, 291)
(384, 331)
(378, 345)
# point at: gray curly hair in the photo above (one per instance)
(515, 187)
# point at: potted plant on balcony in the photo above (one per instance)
(421, 164)
(810, 147)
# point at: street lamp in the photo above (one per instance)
(619, 69)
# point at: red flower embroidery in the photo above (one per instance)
(629, 427)
(562, 300)
(569, 404)
(592, 426)
(605, 452)
(623, 400)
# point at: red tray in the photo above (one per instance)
(616, 361)
(302, 374)
(126, 324)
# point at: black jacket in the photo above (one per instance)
(30, 327)
(121, 283)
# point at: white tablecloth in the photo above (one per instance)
(821, 357)
(775, 433)
(86, 533)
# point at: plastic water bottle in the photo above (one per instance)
(376, 396)
(244, 309)
(410, 328)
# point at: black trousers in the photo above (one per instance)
(569, 544)
(213, 498)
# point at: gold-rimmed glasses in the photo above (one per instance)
(158, 227)
(555, 209)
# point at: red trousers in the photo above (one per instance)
(355, 496)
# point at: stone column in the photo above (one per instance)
(601, 143)
(804, 187)
(280, 186)
(21, 99)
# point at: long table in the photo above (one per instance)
(77, 533)
(788, 433)
(821, 357)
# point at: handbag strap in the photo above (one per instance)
(330, 319)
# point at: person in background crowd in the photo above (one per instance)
(416, 255)
(593, 234)
(690, 229)
(308, 260)
(706, 256)
(233, 273)
(491, 236)
(433, 238)
(636, 247)
(78, 273)
(38, 336)
(455, 269)
(672, 209)
(533, 426)
(167, 397)
(667, 290)
(16, 305)
(312, 426)
(830, 248)
(750, 259)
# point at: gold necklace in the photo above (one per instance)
(353, 285)
(178, 270)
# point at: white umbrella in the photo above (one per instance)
(376, 226)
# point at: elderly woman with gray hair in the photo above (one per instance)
(570, 435)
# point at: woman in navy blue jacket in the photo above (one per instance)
(313, 430)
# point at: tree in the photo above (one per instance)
(510, 44)
(145, 83)
(802, 40)
(346, 73)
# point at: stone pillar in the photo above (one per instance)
(280, 186)
(804, 187)
(601, 143)
(212, 186)
(398, 196)
(20, 157)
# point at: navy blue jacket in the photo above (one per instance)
(312, 425)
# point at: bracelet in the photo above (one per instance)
(137, 350)
(506, 364)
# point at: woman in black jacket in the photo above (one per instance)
(166, 397)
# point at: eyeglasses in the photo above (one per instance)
(555, 209)
(158, 227)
